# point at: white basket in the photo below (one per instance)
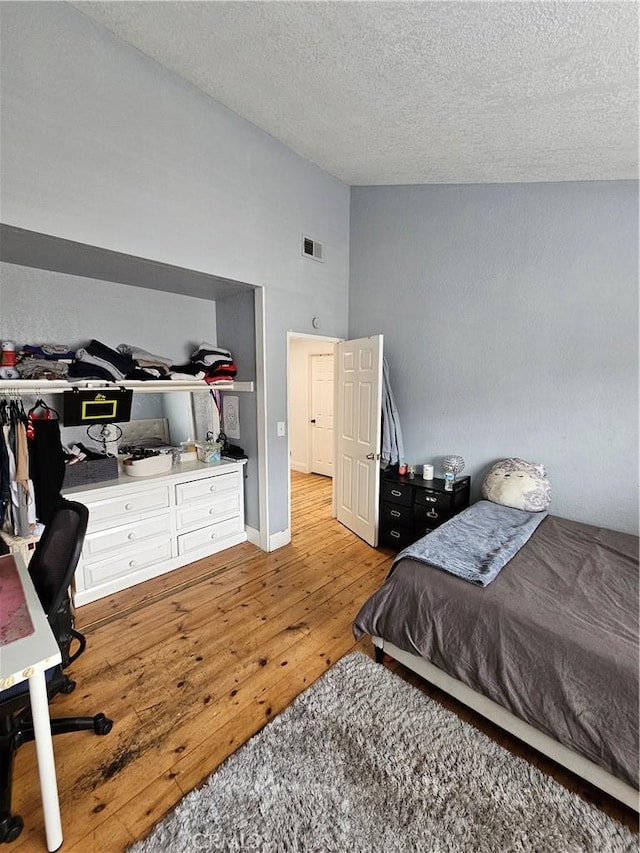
(148, 467)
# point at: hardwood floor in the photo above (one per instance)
(192, 664)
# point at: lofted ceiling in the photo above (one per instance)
(413, 92)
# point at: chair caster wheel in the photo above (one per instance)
(102, 725)
(69, 686)
(10, 828)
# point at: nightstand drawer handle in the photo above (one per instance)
(395, 513)
(431, 500)
(432, 514)
(395, 493)
(395, 534)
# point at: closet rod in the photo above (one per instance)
(33, 386)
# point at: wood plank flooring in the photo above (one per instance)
(192, 664)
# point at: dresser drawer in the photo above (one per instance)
(398, 493)
(430, 515)
(396, 537)
(206, 536)
(121, 509)
(99, 545)
(439, 501)
(217, 508)
(396, 515)
(153, 551)
(197, 489)
(422, 529)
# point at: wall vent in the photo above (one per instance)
(312, 249)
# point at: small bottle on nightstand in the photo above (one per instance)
(449, 478)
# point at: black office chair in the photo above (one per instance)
(51, 569)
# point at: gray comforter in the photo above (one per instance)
(554, 639)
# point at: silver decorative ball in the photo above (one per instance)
(453, 463)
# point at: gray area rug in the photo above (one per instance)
(363, 761)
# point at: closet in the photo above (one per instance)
(58, 291)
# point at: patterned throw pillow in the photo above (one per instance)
(519, 484)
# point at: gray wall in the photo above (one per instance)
(510, 316)
(236, 325)
(101, 145)
(40, 306)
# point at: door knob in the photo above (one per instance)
(313, 420)
(370, 456)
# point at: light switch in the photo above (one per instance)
(280, 427)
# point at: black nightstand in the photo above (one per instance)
(410, 508)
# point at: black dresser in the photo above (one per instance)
(410, 508)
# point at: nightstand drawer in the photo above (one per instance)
(430, 515)
(396, 515)
(398, 493)
(422, 529)
(430, 499)
(396, 537)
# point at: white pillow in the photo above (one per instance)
(519, 484)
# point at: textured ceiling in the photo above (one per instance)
(413, 92)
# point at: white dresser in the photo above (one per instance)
(140, 528)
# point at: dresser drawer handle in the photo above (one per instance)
(131, 536)
(396, 494)
(132, 563)
(394, 533)
(213, 536)
(395, 513)
(212, 511)
(129, 506)
(212, 488)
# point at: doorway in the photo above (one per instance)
(310, 402)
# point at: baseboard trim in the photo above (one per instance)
(299, 467)
(253, 535)
(279, 539)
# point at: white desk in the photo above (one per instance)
(27, 659)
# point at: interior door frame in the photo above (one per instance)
(291, 335)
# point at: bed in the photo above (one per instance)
(548, 650)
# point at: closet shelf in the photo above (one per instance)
(139, 386)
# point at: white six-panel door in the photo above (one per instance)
(322, 405)
(358, 433)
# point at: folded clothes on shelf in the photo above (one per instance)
(49, 352)
(143, 357)
(41, 368)
(102, 356)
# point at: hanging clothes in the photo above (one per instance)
(5, 477)
(392, 452)
(47, 465)
(20, 516)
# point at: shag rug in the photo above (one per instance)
(363, 761)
